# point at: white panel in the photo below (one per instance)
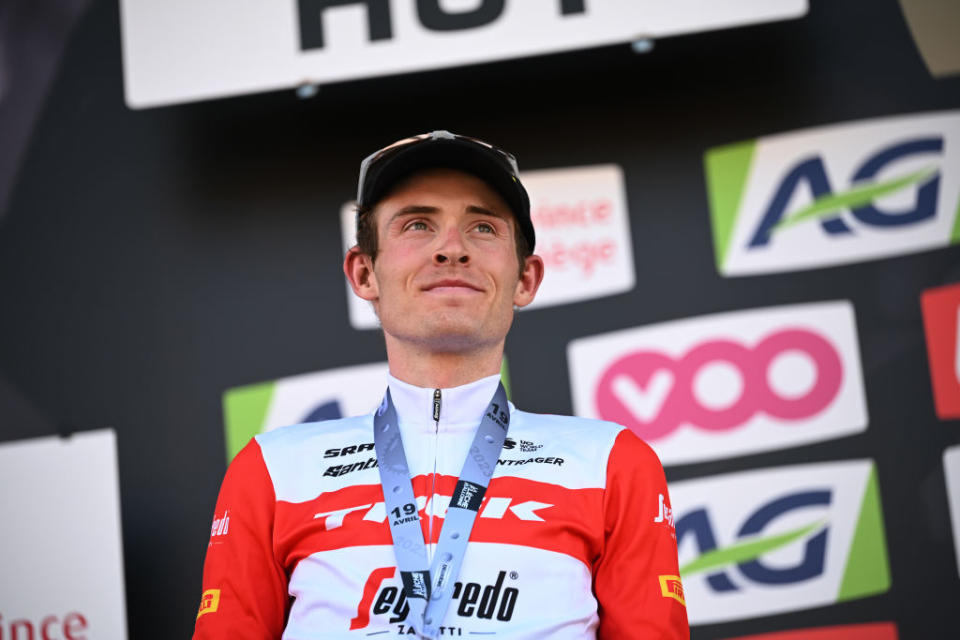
(60, 556)
(182, 50)
(726, 384)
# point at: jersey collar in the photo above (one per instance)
(461, 408)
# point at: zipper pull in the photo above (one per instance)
(436, 406)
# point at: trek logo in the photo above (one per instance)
(951, 466)
(338, 470)
(492, 507)
(763, 542)
(727, 384)
(941, 322)
(209, 602)
(665, 513)
(470, 600)
(311, 397)
(431, 14)
(837, 194)
(220, 526)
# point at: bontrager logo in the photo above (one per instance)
(726, 384)
(763, 542)
(495, 601)
(837, 194)
(495, 507)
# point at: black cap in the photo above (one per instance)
(383, 169)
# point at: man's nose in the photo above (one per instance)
(452, 248)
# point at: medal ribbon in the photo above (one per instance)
(429, 586)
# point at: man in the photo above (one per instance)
(391, 524)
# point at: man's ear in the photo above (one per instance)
(530, 279)
(358, 267)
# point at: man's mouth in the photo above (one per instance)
(451, 285)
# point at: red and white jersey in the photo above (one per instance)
(574, 539)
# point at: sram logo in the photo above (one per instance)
(775, 540)
(837, 194)
(727, 384)
(491, 507)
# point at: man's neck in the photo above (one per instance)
(426, 368)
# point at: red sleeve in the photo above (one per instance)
(637, 579)
(244, 587)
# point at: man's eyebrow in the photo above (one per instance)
(413, 209)
(486, 212)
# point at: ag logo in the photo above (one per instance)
(834, 195)
(727, 384)
(764, 542)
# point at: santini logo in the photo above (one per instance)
(727, 384)
(764, 542)
(834, 195)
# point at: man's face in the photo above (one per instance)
(446, 276)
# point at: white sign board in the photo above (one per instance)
(726, 384)
(182, 50)
(834, 195)
(763, 542)
(309, 397)
(951, 466)
(60, 552)
(583, 234)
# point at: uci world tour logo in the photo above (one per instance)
(835, 195)
(763, 542)
(726, 384)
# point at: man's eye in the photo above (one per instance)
(417, 225)
(486, 227)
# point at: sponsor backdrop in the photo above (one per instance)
(749, 213)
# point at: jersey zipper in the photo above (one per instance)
(437, 400)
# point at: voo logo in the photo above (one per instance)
(431, 14)
(729, 383)
(654, 394)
